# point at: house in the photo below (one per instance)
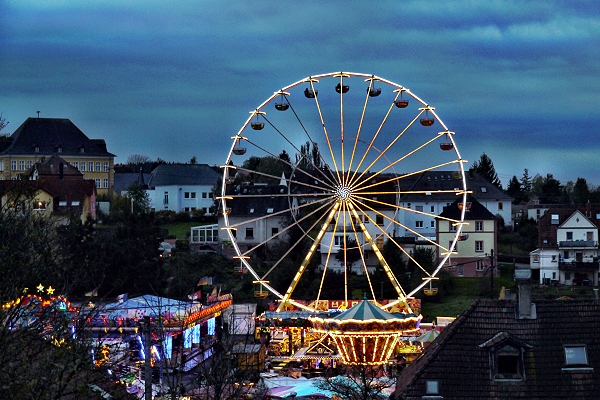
(54, 187)
(182, 187)
(472, 253)
(567, 250)
(499, 349)
(431, 191)
(37, 139)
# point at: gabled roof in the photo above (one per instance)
(50, 134)
(476, 210)
(462, 366)
(432, 181)
(124, 180)
(548, 226)
(261, 204)
(182, 175)
(54, 167)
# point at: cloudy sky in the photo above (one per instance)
(518, 80)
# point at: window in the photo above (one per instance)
(480, 266)
(249, 232)
(478, 226)
(13, 165)
(500, 205)
(62, 203)
(166, 198)
(338, 241)
(22, 165)
(274, 231)
(460, 270)
(483, 190)
(105, 183)
(82, 169)
(419, 208)
(269, 211)
(479, 245)
(453, 249)
(106, 167)
(29, 164)
(451, 227)
(39, 205)
(91, 166)
(2, 165)
(553, 257)
(575, 355)
(379, 219)
(419, 224)
(75, 203)
(204, 195)
(432, 386)
(98, 182)
(98, 166)
(432, 208)
(186, 195)
(76, 164)
(569, 235)
(432, 224)
(37, 149)
(193, 195)
(554, 219)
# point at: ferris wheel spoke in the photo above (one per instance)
(308, 257)
(409, 174)
(360, 124)
(381, 153)
(289, 180)
(292, 166)
(369, 239)
(297, 223)
(328, 256)
(363, 261)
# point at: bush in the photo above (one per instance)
(165, 216)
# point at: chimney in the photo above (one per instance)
(525, 308)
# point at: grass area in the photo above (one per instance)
(180, 229)
(464, 292)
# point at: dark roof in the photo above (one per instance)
(432, 181)
(182, 174)
(476, 210)
(460, 357)
(124, 180)
(260, 204)
(52, 168)
(51, 133)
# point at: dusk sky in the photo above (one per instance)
(518, 80)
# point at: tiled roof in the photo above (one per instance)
(50, 134)
(476, 210)
(432, 181)
(259, 203)
(182, 175)
(461, 364)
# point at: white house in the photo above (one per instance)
(182, 187)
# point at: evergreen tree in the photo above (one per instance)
(581, 191)
(485, 167)
(526, 183)
(515, 190)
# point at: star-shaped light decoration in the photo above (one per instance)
(40, 288)
(50, 290)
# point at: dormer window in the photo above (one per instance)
(36, 148)
(82, 149)
(575, 355)
(59, 149)
(506, 357)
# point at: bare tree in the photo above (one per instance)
(138, 159)
(3, 122)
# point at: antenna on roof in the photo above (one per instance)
(38, 113)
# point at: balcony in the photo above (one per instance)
(579, 244)
(578, 265)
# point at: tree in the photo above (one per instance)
(581, 191)
(485, 167)
(140, 201)
(514, 189)
(551, 189)
(138, 159)
(194, 160)
(357, 382)
(526, 183)
(3, 122)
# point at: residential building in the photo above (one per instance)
(499, 349)
(472, 254)
(567, 250)
(54, 187)
(37, 139)
(429, 197)
(182, 187)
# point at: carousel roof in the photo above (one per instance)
(365, 311)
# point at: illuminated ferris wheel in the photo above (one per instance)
(314, 182)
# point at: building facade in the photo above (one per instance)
(37, 139)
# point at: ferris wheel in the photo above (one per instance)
(315, 187)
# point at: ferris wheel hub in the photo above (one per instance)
(343, 192)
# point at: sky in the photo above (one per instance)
(517, 80)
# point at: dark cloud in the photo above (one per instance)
(515, 79)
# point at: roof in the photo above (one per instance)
(463, 350)
(260, 204)
(182, 175)
(547, 228)
(54, 167)
(50, 134)
(432, 181)
(365, 311)
(476, 211)
(124, 180)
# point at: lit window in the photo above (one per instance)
(40, 205)
(575, 355)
